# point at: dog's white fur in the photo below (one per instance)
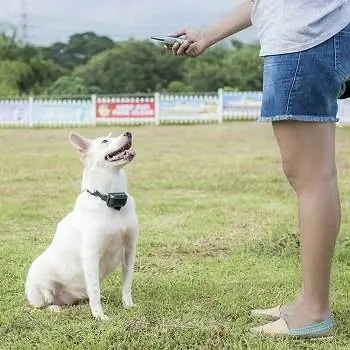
(93, 239)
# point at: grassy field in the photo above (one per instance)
(218, 228)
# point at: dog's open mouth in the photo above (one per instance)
(123, 153)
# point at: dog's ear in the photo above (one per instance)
(81, 143)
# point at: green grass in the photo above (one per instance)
(218, 226)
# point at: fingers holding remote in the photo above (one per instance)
(180, 49)
(188, 42)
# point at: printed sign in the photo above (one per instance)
(125, 109)
(185, 108)
(232, 100)
(12, 112)
(344, 111)
(75, 112)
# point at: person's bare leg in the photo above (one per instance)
(287, 309)
(308, 158)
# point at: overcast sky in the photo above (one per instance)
(55, 20)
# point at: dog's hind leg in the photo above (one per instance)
(54, 308)
(35, 297)
(128, 272)
(38, 296)
(42, 296)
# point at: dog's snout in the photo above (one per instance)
(128, 134)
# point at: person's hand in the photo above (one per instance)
(194, 43)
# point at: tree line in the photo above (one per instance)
(89, 63)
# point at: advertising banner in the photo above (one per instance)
(125, 109)
(71, 112)
(344, 111)
(241, 100)
(14, 112)
(188, 108)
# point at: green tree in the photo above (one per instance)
(42, 74)
(205, 73)
(238, 67)
(89, 63)
(243, 69)
(28, 78)
(23, 67)
(69, 85)
(132, 66)
(8, 90)
(177, 86)
(79, 49)
(12, 74)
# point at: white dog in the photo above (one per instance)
(96, 237)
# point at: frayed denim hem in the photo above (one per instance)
(300, 118)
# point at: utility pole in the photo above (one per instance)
(24, 21)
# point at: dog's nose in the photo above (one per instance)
(128, 134)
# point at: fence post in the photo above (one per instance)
(156, 108)
(93, 109)
(30, 111)
(220, 111)
(340, 113)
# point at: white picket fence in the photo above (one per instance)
(157, 108)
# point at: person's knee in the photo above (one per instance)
(306, 175)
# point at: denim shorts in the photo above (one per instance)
(305, 85)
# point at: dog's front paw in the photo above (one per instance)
(100, 316)
(127, 301)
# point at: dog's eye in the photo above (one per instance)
(104, 141)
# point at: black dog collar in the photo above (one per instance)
(115, 200)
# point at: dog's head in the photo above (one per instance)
(113, 152)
